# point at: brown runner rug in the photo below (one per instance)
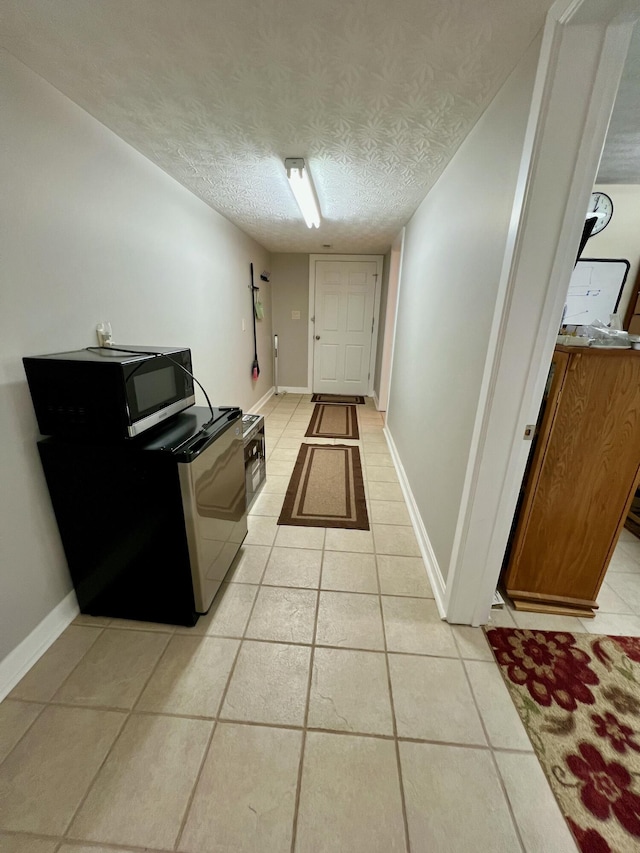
(343, 399)
(333, 422)
(579, 698)
(326, 489)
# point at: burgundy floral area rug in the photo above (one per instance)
(579, 698)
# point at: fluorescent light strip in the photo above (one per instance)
(300, 183)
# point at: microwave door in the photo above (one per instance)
(156, 389)
(214, 504)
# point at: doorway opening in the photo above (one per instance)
(581, 60)
(583, 470)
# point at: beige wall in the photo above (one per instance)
(453, 254)
(621, 237)
(90, 230)
(290, 292)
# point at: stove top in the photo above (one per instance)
(249, 422)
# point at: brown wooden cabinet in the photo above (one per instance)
(580, 482)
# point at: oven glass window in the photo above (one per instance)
(155, 388)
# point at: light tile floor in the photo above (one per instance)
(619, 600)
(321, 705)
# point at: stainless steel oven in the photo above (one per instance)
(255, 455)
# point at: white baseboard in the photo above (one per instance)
(376, 401)
(426, 549)
(292, 389)
(18, 662)
(265, 399)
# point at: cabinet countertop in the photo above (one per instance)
(608, 351)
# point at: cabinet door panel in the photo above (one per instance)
(587, 473)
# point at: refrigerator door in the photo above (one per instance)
(214, 502)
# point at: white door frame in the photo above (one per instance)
(581, 60)
(391, 315)
(378, 259)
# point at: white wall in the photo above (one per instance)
(453, 254)
(290, 283)
(90, 230)
(382, 321)
(621, 237)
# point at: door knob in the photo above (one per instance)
(317, 337)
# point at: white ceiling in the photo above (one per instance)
(377, 96)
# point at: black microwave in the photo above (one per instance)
(107, 391)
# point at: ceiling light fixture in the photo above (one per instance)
(302, 188)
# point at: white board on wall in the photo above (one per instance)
(595, 290)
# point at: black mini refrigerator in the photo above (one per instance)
(150, 526)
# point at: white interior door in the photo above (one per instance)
(344, 305)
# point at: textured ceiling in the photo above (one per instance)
(375, 95)
(620, 162)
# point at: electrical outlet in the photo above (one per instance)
(295, 315)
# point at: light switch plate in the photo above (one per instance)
(295, 315)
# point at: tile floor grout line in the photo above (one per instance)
(190, 799)
(142, 630)
(403, 804)
(478, 747)
(221, 718)
(259, 723)
(45, 703)
(68, 704)
(501, 782)
(394, 724)
(332, 589)
(458, 644)
(57, 839)
(138, 712)
(192, 793)
(29, 727)
(303, 744)
(41, 836)
(511, 750)
(102, 845)
(83, 799)
(292, 727)
(127, 716)
(134, 707)
(73, 669)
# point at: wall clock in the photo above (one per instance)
(602, 206)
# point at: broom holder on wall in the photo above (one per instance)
(255, 367)
(275, 363)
